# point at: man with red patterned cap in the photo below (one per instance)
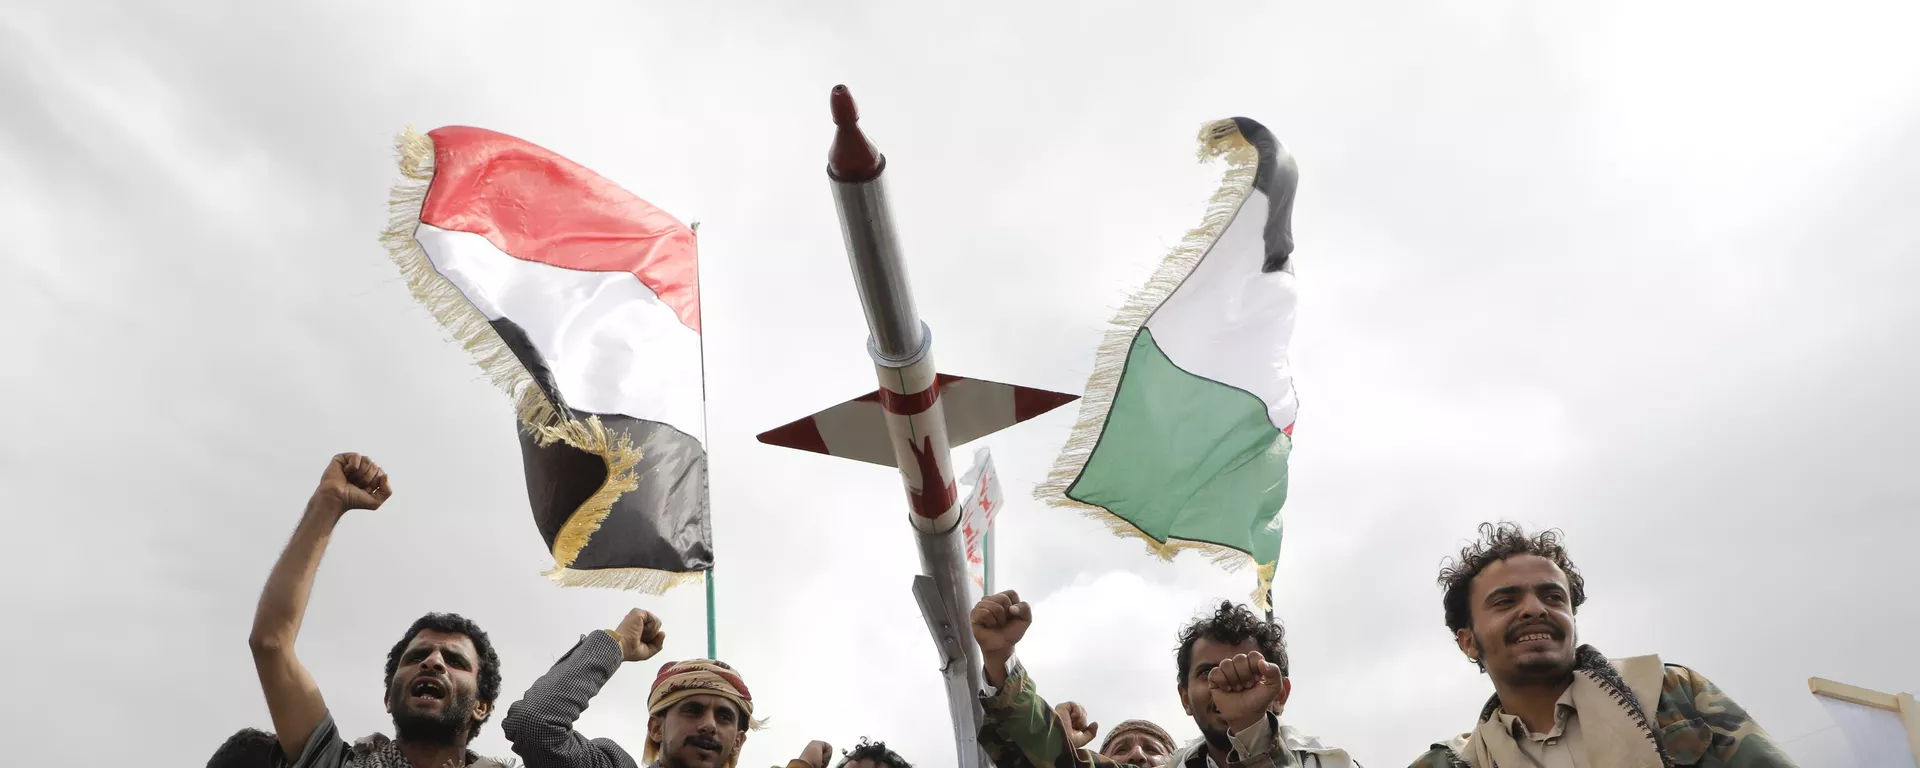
(699, 710)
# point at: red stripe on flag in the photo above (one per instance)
(801, 435)
(537, 206)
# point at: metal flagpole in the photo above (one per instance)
(986, 557)
(713, 643)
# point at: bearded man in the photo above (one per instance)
(1232, 680)
(698, 712)
(1510, 603)
(442, 677)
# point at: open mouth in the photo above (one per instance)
(428, 688)
(1533, 635)
(704, 745)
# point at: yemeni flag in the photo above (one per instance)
(583, 302)
(1187, 421)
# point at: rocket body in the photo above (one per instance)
(901, 348)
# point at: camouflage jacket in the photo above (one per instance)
(1020, 730)
(1693, 723)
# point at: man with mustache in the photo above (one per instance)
(1510, 602)
(699, 711)
(1232, 680)
(442, 677)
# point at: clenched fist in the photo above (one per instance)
(817, 753)
(1243, 688)
(999, 621)
(640, 636)
(353, 481)
(1073, 718)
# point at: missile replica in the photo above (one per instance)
(916, 417)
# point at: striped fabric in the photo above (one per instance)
(856, 429)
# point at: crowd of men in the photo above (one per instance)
(1509, 598)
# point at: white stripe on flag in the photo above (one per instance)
(613, 345)
(1231, 323)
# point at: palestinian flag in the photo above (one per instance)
(1187, 421)
(582, 301)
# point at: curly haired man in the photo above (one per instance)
(1232, 680)
(873, 754)
(1510, 603)
(442, 677)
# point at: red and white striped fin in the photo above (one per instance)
(857, 428)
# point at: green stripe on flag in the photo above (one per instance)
(1184, 457)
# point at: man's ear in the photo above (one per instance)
(1464, 638)
(1183, 701)
(481, 710)
(656, 727)
(1280, 702)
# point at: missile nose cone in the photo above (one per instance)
(852, 158)
(844, 112)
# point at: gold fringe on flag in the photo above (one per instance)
(536, 413)
(1218, 139)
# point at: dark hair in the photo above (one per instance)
(877, 752)
(250, 748)
(1499, 542)
(455, 624)
(1234, 624)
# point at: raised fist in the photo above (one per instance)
(999, 621)
(640, 636)
(817, 753)
(1244, 687)
(354, 482)
(1073, 718)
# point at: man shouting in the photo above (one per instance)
(442, 677)
(699, 711)
(1229, 682)
(1510, 603)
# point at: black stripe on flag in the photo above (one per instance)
(663, 524)
(1276, 177)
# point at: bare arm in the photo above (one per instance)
(293, 698)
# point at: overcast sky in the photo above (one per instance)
(1639, 270)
